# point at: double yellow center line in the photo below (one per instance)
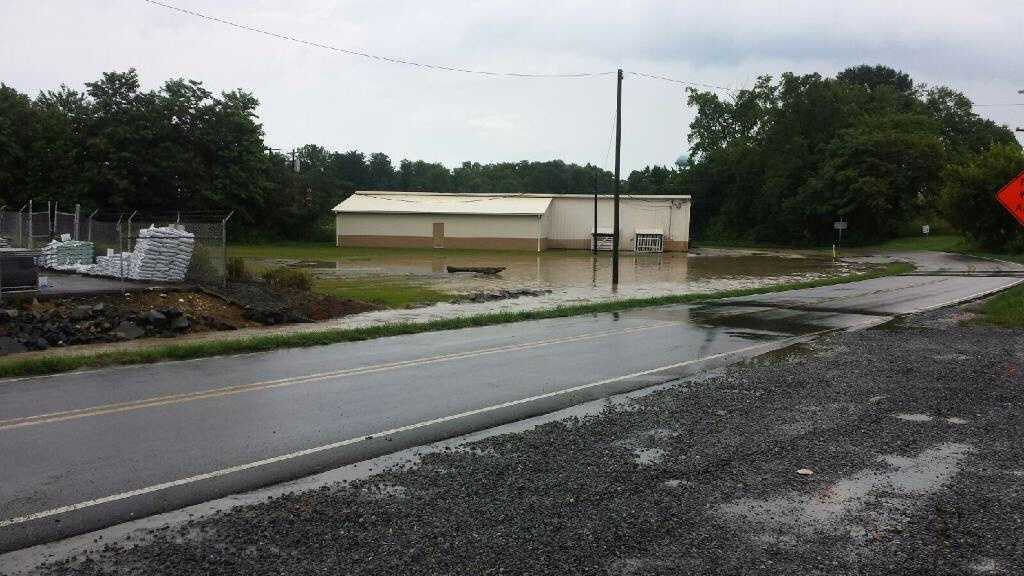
(171, 399)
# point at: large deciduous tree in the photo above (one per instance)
(780, 161)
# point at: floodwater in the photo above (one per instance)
(581, 273)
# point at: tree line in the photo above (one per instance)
(116, 147)
(776, 163)
(783, 160)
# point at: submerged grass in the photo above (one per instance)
(1006, 309)
(41, 365)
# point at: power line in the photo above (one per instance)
(611, 138)
(684, 82)
(369, 55)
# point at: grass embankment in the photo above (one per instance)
(381, 291)
(40, 365)
(943, 243)
(1006, 309)
(936, 243)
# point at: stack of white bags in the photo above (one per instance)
(113, 264)
(161, 254)
(66, 253)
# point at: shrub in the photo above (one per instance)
(237, 271)
(201, 268)
(288, 278)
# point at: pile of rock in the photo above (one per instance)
(24, 330)
(161, 254)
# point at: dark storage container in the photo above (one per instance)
(18, 270)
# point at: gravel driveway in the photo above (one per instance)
(914, 434)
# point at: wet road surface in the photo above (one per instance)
(915, 472)
(91, 449)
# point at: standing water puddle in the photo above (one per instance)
(866, 502)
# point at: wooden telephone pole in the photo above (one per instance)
(618, 149)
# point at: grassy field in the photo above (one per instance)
(1006, 309)
(40, 365)
(387, 292)
(938, 243)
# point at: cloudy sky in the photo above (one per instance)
(311, 95)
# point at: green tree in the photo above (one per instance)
(967, 199)
(381, 172)
(779, 162)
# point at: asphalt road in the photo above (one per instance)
(87, 450)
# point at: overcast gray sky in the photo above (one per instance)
(310, 95)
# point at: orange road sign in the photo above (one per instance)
(1012, 197)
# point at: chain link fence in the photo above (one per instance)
(116, 233)
(12, 226)
(66, 222)
(40, 224)
(209, 255)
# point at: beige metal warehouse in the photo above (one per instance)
(510, 221)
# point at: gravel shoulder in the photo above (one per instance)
(913, 432)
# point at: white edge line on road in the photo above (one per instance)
(351, 441)
(961, 299)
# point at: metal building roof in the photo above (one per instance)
(428, 203)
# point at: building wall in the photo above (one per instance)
(567, 224)
(495, 232)
(570, 221)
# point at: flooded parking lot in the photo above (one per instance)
(581, 274)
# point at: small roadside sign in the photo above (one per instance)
(926, 229)
(840, 225)
(1012, 197)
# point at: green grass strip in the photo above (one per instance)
(37, 366)
(1006, 309)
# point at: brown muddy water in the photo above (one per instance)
(581, 273)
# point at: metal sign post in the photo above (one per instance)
(839, 227)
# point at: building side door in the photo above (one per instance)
(438, 234)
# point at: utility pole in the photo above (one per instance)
(618, 150)
(593, 236)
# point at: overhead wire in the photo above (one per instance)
(440, 67)
(369, 55)
(684, 82)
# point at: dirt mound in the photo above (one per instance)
(38, 325)
(263, 305)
